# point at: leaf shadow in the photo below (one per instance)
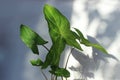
(89, 65)
(86, 63)
(98, 55)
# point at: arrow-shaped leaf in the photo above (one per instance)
(59, 26)
(31, 38)
(86, 42)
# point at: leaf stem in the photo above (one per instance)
(55, 77)
(52, 77)
(44, 74)
(61, 77)
(45, 48)
(68, 58)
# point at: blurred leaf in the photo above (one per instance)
(98, 46)
(71, 40)
(88, 43)
(59, 26)
(53, 57)
(37, 62)
(75, 35)
(60, 72)
(31, 38)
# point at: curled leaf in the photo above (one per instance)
(37, 62)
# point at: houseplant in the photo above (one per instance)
(61, 35)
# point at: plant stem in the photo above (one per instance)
(68, 58)
(44, 74)
(45, 48)
(55, 77)
(52, 77)
(61, 77)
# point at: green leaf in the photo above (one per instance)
(80, 34)
(31, 38)
(53, 57)
(60, 72)
(76, 35)
(86, 42)
(57, 22)
(37, 62)
(59, 26)
(71, 40)
(98, 46)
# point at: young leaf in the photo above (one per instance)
(60, 72)
(76, 35)
(86, 42)
(59, 26)
(71, 40)
(31, 38)
(53, 57)
(37, 62)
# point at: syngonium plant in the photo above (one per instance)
(61, 35)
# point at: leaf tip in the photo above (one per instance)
(21, 26)
(46, 6)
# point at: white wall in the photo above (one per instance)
(99, 19)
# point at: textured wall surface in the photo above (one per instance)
(97, 19)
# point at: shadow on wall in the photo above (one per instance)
(89, 65)
(105, 14)
(110, 25)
